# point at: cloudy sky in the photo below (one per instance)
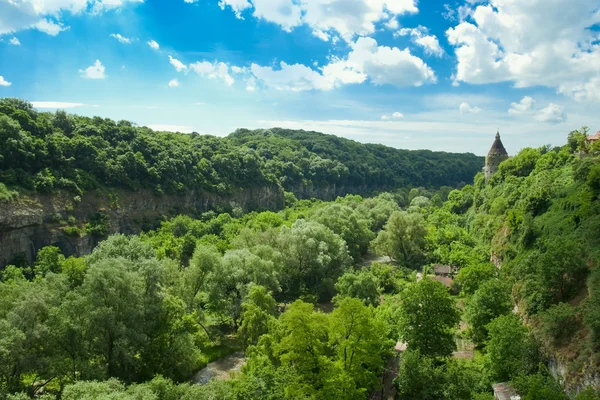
(442, 75)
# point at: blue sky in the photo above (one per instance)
(405, 73)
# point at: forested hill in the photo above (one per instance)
(44, 151)
(296, 155)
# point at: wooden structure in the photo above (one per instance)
(504, 391)
(442, 270)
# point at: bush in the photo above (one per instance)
(6, 194)
(559, 322)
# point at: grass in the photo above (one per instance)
(6, 194)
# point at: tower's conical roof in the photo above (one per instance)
(497, 148)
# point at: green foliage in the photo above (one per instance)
(419, 378)
(510, 352)
(471, 278)
(47, 151)
(6, 194)
(403, 239)
(559, 322)
(539, 387)
(48, 259)
(428, 317)
(490, 301)
(362, 285)
(258, 311)
(588, 394)
(347, 223)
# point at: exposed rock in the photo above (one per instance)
(32, 222)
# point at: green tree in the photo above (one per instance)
(428, 317)
(345, 222)
(403, 239)
(362, 285)
(48, 259)
(419, 378)
(490, 301)
(258, 312)
(510, 352)
(470, 278)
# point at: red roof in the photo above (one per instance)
(595, 136)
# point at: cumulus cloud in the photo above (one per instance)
(14, 41)
(153, 44)
(346, 17)
(421, 37)
(4, 82)
(179, 66)
(523, 107)
(381, 65)
(466, 108)
(17, 15)
(553, 114)
(173, 83)
(216, 70)
(95, 71)
(121, 38)
(512, 40)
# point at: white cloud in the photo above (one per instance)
(530, 43)
(179, 66)
(50, 27)
(153, 44)
(55, 104)
(95, 71)
(523, 107)
(4, 82)
(321, 35)
(553, 114)
(171, 128)
(251, 84)
(236, 5)
(121, 38)
(396, 115)
(14, 41)
(346, 17)
(466, 108)
(45, 15)
(420, 36)
(173, 83)
(216, 70)
(380, 64)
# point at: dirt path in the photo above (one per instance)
(220, 369)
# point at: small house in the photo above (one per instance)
(446, 280)
(442, 270)
(504, 391)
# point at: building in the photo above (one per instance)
(504, 391)
(442, 270)
(496, 155)
(593, 138)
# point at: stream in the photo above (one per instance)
(222, 368)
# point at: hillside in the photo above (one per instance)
(49, 151)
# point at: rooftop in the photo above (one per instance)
(504, 391)
(498, 148)
(594, 137)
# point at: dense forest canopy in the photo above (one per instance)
(45, 151)
(328, 300)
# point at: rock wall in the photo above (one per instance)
(573, 383)
(32, 222)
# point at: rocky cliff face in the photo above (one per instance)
(32, 222)
(573, 383)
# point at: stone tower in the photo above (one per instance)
(496, 155)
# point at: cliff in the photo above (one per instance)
(34, 221)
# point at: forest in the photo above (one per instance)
(327, 300)
(45, 152)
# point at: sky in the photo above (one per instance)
(414, 74)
